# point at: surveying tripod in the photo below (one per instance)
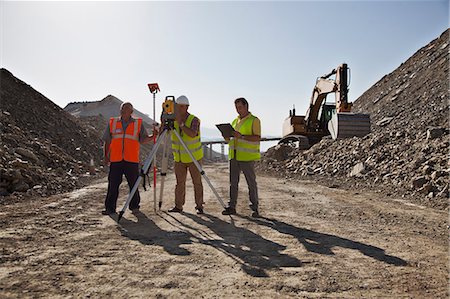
(168, 128)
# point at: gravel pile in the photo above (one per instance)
(406, 155)
(43, 149)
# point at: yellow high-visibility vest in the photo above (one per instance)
(194, 144)
(245, 150)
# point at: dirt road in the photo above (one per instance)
(311, 242)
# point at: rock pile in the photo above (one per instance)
(407, 152)
(43, 149)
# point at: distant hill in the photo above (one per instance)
(108, 107)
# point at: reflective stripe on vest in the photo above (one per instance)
(245, 150)
(193, 143)
(124, 144)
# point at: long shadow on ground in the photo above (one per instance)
(253, 252)
(324, 243)
(148, 233)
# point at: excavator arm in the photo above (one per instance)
(325, 86)
(336, 119)
(322, 88)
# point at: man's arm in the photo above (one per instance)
(143, 134)
(256, 132)
(107, 141)
(106, 153)
(193, 130)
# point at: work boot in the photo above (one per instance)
(108, 212)
(255, 214)
(135, 211)
(199, 210)
(229, 211)
(175, 210)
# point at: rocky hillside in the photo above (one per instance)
(406, 155)
(43, 149)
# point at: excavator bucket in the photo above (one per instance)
(346, 125)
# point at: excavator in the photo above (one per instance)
(322, 118)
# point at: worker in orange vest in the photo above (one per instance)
(122, 138)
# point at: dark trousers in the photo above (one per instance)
(116, 171)
(248, 168)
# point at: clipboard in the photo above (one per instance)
(226, 130)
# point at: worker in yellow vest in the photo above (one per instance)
(121, 138)
(243, 152)
(188, 127)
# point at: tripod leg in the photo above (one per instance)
(164, 166)
(154, 184)
(154, 161)
(145, 169)
(199, 167)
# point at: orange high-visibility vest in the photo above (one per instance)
(124, 144)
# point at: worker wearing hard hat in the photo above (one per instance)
(243, 152)
(188, 126)
(121, 151)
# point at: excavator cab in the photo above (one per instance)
(328, 109)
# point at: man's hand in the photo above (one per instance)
(237, 134)
(150, 138)
(179, 119)
(106, 161)
(155, 130)
(227, 139)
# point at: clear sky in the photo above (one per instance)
(212, 52)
